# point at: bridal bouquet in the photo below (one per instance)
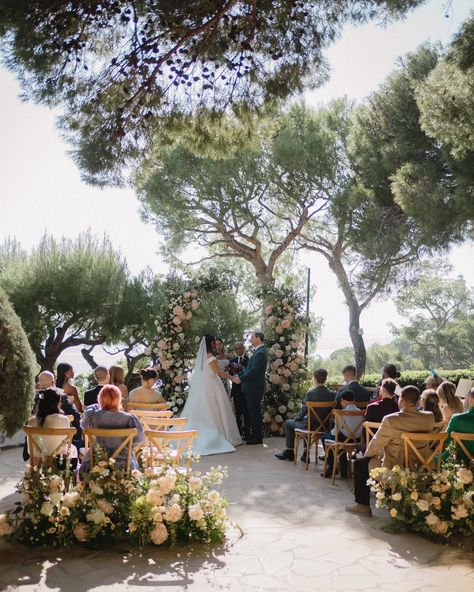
(111, 505)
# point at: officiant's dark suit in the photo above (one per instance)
(253, 387)
(240, 404)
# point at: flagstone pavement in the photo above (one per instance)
(293, 535)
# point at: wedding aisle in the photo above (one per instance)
(296, 536)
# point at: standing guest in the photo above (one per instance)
(237, 364)
(347, 403)
(429, 401)
(253, 386)
(351, 383)
(146, 393)
(50, 415)
(319, 394)
(386, 446)
(101, 376)
(107, 414)
(449, 403)
(464, 423)
(65, 373)
(117, 378)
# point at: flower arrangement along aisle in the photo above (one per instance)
(438, 505)
(285, 323)
(110, 505)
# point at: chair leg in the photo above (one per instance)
(335, 462)
(326, 451)
(308, 449)
(316, 442)
(295, 447)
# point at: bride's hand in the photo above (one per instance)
(236, 380)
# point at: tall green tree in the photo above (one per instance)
(67, 293)
(397, 162)
(17, 370)
(123, 69)
(440, 313)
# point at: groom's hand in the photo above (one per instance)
(236, 380)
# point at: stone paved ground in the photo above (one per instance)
(295, 536)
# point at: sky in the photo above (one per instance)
(41, 188)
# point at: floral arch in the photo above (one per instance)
(284, 322)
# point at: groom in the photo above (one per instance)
(253, 386)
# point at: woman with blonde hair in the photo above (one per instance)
(449, 403)
(117, 378)
(429, 401)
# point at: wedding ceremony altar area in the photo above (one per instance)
(289, 533)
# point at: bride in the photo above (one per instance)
(208, 407)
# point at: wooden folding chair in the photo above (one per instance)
(432, 454)
(127, 435)
(362, 404)
(148, 406)
(311, 436)
(440, 426)
(459, 439)
(349, 443)
(35, 439)
(371, 428)
(167, 446)
(150, 418)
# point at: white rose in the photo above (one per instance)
(213, 496)
(285, 387)
(397, 497)
(465, 476)
(55, 484)
(105, 506)
(71, 499)
(55, 498)
(195, 512)
(291, 405)
(47, 508)
(278, 418)
(431, 519)
(380, 495)
(173, 513)
(460, 512)
(167, 483)
(159, 534)
(96, 516)
(423, 505)
(282, 409)
(64, 511)
(195, 483)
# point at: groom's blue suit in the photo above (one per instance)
(253, 387)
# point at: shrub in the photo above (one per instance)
(17, 370)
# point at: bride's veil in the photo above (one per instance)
(199, 361)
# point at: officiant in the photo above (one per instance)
(237, 364)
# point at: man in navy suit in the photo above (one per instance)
(237, 364)
(253, 386)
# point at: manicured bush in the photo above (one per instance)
(415, 377)
(17, 370)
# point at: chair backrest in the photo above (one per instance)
(362, 404)
(459, 439)
(127, 435)
(36, 443)
(340, 422)
(370, 428)
(163, 423)
(148, 417)
(150, 406)
(427, 454)
(440, 426)
(168, 445)
(316, 423)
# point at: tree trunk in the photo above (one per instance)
(358, 345)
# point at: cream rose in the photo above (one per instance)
(159, 534)
(195, 512)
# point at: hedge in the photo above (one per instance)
(17, 370)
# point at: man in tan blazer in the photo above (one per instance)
(386, 447)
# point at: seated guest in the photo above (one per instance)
(464, 423)
(49, 415)
(385, 405)
(389, 371)
(46, 381)
(146, 393)
(434, 380)
(117, 378)
(347, 403)
(351, 383)
(429, 401)
(107, 414)
(319, 394)
(101, 376)
(386, 447)
(448, 402)
(65, 373)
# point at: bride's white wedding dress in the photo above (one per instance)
(209, 410)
